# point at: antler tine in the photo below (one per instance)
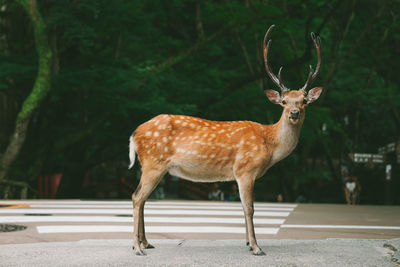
(309, 80)
(276, 80)
(313, 75)
(280, 76)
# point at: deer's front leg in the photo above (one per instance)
(142, 233)
(245, 185)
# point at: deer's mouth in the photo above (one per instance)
(294, 120)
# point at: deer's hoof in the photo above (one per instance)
(258, 252)
(139, 252)
(149, 246)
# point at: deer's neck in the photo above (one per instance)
(286, 137)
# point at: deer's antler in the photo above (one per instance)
(312, 75)
(276, 80)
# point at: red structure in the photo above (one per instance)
(48, 185)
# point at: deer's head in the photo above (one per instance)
(293, 101)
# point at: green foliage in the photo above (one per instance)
(123, 62)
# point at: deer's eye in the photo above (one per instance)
(305, 101)
(283, 102)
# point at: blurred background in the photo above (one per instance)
(78, 76)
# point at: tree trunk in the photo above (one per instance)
(40, 89)
(13, 147)
(199, 23)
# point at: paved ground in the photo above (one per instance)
(88, 233)
(203, 253)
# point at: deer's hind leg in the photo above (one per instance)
(149, 180)
(347, 195)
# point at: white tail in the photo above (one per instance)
(209, 151)
(132, 152)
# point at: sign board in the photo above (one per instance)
(367, 158)
(391, 147)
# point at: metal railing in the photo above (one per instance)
(16, 190)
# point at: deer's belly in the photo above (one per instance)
(200, 172)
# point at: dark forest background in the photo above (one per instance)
(78, 76)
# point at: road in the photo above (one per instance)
(371, 231)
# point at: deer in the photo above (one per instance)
(201, 150)
(352, 190)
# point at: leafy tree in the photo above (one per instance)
(40, 89)
(118, 63)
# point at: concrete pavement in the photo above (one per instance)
(333, 252)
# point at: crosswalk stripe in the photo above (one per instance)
(149, 229)
(325, 226)
(22, 219)
(158, 207)
(149, 202)
(222, 204)
(146, 211)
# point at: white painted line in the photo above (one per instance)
(30, 219)
(317, 226)
(149, 202)
(112, 202)
(146, 211)
(221, 203)
(63, 211)
(215, 212)
(211, 220)
(75, 206)
(27, 219)
(149, 229)
(51, 229)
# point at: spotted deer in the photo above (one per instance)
(212, 151)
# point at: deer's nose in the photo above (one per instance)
(294, 114)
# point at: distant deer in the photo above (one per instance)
(352, 189)
(214, 151)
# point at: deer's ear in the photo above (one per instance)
(273, 96)
(313, 94)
